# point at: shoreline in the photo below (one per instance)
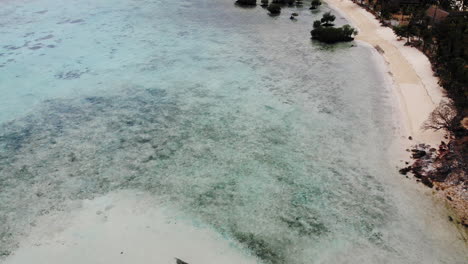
(102, 220)
(412, 77)
(416, 88)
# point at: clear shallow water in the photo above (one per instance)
(227, 114)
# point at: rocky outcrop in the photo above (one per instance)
(446, 170)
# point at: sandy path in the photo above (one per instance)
(418, 90)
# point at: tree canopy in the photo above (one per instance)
(325, 32)
(327, 19)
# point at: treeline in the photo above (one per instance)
(450, 58)
(442, 34)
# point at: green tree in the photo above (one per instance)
(427, 37)
(452, 58)
(401, 31)
(315, 3)
(274, 8)
(327, 19)
(317, 24)
(332, 34)
(349, 31)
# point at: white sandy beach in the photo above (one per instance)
(124, 227)
(413, 78)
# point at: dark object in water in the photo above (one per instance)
(179, 261)
(247, 2)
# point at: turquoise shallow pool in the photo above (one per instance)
(225, 113)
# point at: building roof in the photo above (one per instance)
(436, 13)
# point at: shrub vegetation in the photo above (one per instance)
(325, 31)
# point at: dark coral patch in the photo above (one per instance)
(76, 21)
(44, 38)
(70, 75)
(35, 47)
(10, 47)
(260, 247)
(69, 21)
(306, 225)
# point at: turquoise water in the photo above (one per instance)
(225, 113)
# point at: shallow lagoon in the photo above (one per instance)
(233, 118)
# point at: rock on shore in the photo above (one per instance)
(446, 170)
